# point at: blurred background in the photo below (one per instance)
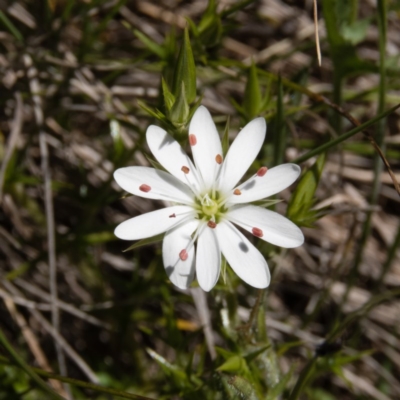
(81, 82)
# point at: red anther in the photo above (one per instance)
(145, 188)
(218, 159)
(185, 169)
(262, 171)
(183, 255)
(237, 192)
(257, 232)
(172, 215)
(211, 224)
(192, 139)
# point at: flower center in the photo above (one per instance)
(209, 207)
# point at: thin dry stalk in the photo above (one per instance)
(13, 139)
(51, 242)
(32, 342)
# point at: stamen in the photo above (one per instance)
(257, 232)
(211, 224)
(218, 159)
(192, 139)
(185, 169)
(172, 215)
(183, 255)
(237, 192)
(262, 171)
(145, 188)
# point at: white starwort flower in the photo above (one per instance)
(208, 201)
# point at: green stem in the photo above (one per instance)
(21, 363)
(305, 375)
(379, 138)
(344, 137)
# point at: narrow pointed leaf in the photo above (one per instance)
(252, 94)
(185, 71)
(149, 43)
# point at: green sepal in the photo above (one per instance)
(146, 242)
(185, 71)
(155, 164)
(267, 203)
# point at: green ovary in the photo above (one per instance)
(209, 207)
(210, 210)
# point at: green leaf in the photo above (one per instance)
(10, 26)
(338, 14)
(256, 352)
(154, 113)
(302, 199)
(149, 43)
(356, 32)
(178, 375)
(185, 71)
(275, 391)
(236, 6)
(99, 237)
(224, 353)
(252, 94)
(210, 26)
(146, 242)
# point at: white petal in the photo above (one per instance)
(275, 228)
(171, 156)
(242, 256)
(208, 259)
(242, 153)
(205, 144)
(153, 184)
(153, 223)
(259, 187)
(181, 273)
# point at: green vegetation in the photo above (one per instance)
(84, 315)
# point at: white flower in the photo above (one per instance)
(208, 201)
